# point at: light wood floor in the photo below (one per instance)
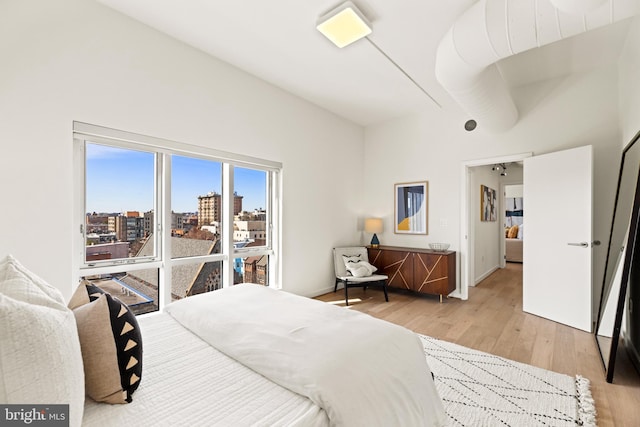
(492, 320)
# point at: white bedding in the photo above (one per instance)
(362, 371)
(186, 382)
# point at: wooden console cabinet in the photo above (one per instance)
(419, 270)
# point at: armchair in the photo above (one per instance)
(349, 281)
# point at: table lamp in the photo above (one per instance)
(373, 225)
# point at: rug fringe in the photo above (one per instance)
(586, 404)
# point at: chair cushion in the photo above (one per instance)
(372, 278)
(358, 266)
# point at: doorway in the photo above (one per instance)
(469, 209)
(559, 259)
(513, 210)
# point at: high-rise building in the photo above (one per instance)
(111, 224)
(210, 207)
(127, 228)
(148, 223)
(237, 203)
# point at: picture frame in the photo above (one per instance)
(411, 207)
(488, 206)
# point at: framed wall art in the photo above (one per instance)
(488, 208)
(411, 207)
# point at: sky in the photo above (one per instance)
(119, 180)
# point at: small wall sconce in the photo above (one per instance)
(373, 225)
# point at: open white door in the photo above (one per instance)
(557, 237)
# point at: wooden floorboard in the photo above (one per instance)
(492, 320)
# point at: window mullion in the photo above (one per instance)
(79, 240)
(274, 213)
(227, 224)
(198, 259)
(163, 227)
(110, 269)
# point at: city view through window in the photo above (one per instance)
(120, 226)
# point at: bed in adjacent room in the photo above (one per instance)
(514, 216)
(514, 243)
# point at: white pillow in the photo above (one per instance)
(40, 358)
(357, 266)
(520, 228)
(12, 277)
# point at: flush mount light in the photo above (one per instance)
(344, 25)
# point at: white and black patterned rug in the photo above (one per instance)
(480, 389)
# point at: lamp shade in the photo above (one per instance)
(373, 225)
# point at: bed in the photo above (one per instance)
(247, 355)
(251, 355)
(180, 393)
(513, 250)
(514, 243)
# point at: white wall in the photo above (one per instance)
(513, 191)
(574, 111)
(513, 178)
(629, 70)
(77, 60)
(487, 233)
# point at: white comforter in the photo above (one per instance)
(187, 382)
(362, 371)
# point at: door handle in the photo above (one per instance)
(581, 244)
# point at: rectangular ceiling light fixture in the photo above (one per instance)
(344, 25)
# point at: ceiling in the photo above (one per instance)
(277, 41)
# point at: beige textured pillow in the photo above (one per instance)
(111, 347)
(513, 232)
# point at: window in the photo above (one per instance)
(251, 222)
(119, 193)
(138, 288)
(160, 220)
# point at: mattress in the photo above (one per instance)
(186, 382)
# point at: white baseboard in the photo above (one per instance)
(485, 275)
(322, 291)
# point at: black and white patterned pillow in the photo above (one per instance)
(111, 346)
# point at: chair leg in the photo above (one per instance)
(384, 288)
(346, 293)
(335, 288)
